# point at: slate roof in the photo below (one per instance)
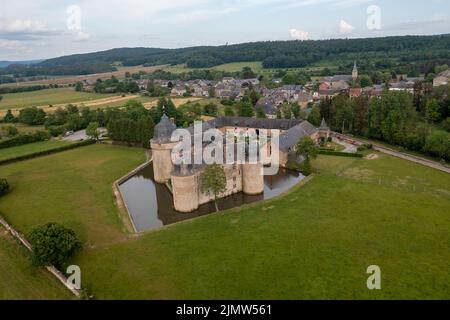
(293, 129)
(163, 130)
(291, 137)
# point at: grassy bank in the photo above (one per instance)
(19, 280)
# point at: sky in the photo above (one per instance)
(41, 29)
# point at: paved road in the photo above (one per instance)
(81, 135)
(405, 156)
(349, 148)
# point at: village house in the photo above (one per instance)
(442, 79)
(178, 91)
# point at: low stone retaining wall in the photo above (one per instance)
(55, 272)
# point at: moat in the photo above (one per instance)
(151, 204)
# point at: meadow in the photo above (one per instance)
(315, 242)
(47, 97)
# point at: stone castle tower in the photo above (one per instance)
(355, 73)
(162, 150)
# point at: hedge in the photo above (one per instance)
(22, 139)
(341, 154)
(47, 152)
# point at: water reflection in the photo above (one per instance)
(151, 205)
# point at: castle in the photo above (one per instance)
(184, 180)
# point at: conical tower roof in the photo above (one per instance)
(163, 130)
(323, 125)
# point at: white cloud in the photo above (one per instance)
(9, 44)
(83, 36)
(345, 27)
(299, 34)
(23, 26)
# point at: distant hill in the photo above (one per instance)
(387, 52)
(4, 64)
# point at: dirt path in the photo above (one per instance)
(401, 155)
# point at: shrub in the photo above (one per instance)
(4, 186)
(53, 244)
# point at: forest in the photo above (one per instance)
(413, 54)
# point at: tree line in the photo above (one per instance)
(418, 122)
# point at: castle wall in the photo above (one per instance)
(253, 179)
(162, 161)
(233, 174)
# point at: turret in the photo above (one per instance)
(324, 130)
(252, 178)
(162, 149)
(185, 189)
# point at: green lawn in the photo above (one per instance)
(314, 243)
(73, 187)
(25, 149)
(19, 280)
(47, 97)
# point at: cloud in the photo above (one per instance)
(9, 44)
(345, 27)
(82, 36)
(299, 34)
(23, 26)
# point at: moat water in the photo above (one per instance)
(151, 204)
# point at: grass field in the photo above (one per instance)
(73, 187)
(228, 67)
(47, 97)
(19, 280)
(25, 149)
(314, 243)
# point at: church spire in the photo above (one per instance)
(355, 72)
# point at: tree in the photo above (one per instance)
(365, 82)
(438, 144)
(11, 131)
(4, 187)
(307, 148)
(92, 131)
(213, 180)
(228, 111)
(432, 111)
(210, 109)
(247, 73)
(260, 113)
(53, 244)
(79, 86)
(314, 117)
(9, 117)
(245, 109)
